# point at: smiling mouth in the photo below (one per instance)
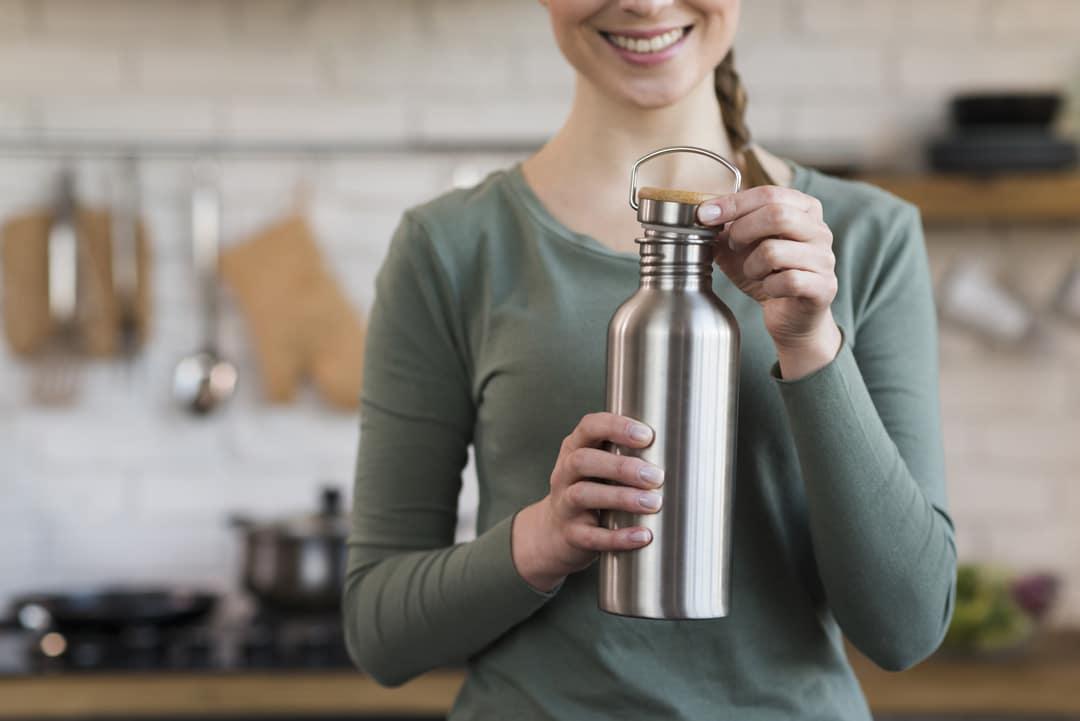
(646, 45)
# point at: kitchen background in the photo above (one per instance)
(124, 485)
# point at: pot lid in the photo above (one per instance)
(314, 525)
(329, 521)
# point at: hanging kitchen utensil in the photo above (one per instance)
(971, 297)
(25, 282)
(125, 258)
(303, 191)
(300, 320)
(1067, 297)
(205, 380)
(56, 379)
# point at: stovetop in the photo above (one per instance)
(260, 642)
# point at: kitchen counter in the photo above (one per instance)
(255, 694)
(1045, 680)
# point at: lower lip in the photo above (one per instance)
(649, 58)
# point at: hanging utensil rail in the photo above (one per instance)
(89, 147)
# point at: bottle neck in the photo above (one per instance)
(676, 258)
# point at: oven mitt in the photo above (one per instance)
(300, 321)
(27, 325)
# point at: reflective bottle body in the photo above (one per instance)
(673, 363)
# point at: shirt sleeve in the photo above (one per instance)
(412, 600)
(867, 431)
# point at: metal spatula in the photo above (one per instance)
(57, 378)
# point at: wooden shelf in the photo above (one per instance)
(1018, 198)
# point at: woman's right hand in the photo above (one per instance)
(561, 533)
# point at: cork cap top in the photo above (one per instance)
(674, 196)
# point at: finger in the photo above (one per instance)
(593, 496)
(777, 220)
(774, 255)
(594, 538)
(726, 208)
(814, 287)
(628, 470)
(595, 428)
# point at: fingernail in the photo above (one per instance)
(708, 213)
(649, 500)
(651, 474)
(640, 535)
(639, 432)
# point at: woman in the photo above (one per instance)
(489, 328)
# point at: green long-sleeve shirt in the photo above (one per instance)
(489, 328)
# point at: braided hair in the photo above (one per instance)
(731, 95)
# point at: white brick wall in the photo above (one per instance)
(414, 65)
(845, 19)
(931, 21)
(124, 23)
(144, 116)
(13, 118)
(12, 18)
(1036, 20)
(221, 72)
(810, 68)
(521, 119)
(126, 486)
(987, 67)
(53, 66)
(1011, 419)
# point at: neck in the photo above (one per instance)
(602, 138)
(669, 261)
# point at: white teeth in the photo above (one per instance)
(647, 45)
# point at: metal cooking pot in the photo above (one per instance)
(297, 563)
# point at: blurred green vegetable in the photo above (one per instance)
(987, 618)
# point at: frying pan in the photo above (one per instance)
(111, 609)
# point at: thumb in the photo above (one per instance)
(722, 246)
(729, 261)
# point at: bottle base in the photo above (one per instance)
(660, 614)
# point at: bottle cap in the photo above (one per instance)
(666, 206)
(671, 207)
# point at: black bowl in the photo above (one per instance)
(980, 110)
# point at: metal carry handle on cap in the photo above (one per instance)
(679, 149)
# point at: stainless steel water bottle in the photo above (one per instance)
(673, 363)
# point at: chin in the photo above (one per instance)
(652, 93)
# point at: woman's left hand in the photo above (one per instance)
(776, 248)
